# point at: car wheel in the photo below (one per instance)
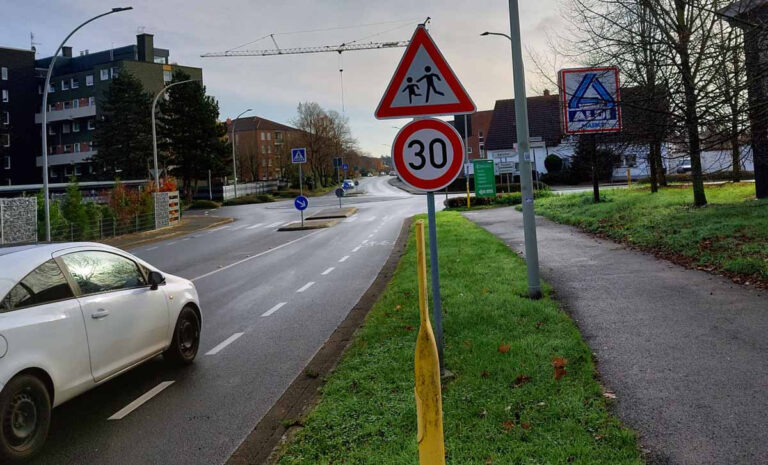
(25, 416)
(186, 338)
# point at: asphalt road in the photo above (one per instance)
(270, 300)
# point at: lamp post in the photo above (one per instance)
(523, 151)
(44, 111)
(154, 130)
(234, 160)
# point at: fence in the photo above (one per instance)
(101, 227)
(18, 220)
(261, 187)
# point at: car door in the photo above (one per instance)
(126, 321)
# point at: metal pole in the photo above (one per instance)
(466, 162)
(437, 305)
(44, 111)
(301, 191)
(234, 162)
(210, 191)
(154, 130)
(524, 155)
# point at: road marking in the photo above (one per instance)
(363, 243)
(344, 258)
(224, 344)
(171, 243)
(370, 236)
(254, 226)
(274, 225)
(186, 239)
(238, 227)
(217, 229)
(327, 271)
(356, 248)
(373, 218)
(273, 309)
(125, 411)
(351, 219)
(255, 256)
(306, 286)
(151, 248)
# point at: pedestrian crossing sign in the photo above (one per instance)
(423, 84)
(299, 155)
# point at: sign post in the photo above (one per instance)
(485, 178)
(299, 157)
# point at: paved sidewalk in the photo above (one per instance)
(685, 352)
(190, 223)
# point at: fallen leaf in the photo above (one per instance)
(508, 425)
(398, 307)
(489, 461)
(538, 324)
(467, 343)
(609, 395)
(559, 364)
(526, 425)
(408, 328)
(407, 293)
(520, 380)
(482, 414)
(504, 348)
(484, 374)
(598, 437)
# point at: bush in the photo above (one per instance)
(249, 199)
(566, 176)
(204, 204)
(287, 193)
(553, 163)
(515, 198)
(718, 176)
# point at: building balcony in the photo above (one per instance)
(67, 114)
(66, 158)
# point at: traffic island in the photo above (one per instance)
(328, 213)
(309, 224)
(524, 386)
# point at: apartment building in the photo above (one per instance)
(262, 147)
(78, 84)
(18, 139)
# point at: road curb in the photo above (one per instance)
(260, 445)
(171, 234)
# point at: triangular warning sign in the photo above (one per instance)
(423, 84)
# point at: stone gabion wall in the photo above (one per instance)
(18, 220)
(162, 213)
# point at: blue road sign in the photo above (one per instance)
(591, 100)
(345, 166)
(339, 192)
(301, 203)
(299, 155)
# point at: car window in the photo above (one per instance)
(43, 285)
(96, 271)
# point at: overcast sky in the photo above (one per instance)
(273, 86)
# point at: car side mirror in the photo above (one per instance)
(155, 279)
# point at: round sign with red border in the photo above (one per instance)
(428, 154)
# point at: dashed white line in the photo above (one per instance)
(305, 287)
(238, 227)
(373, 218)
(152, 248)
(327, 271)
(125, 411)
(217, 229)
(344, 258)
(186, 239)
(274, 309)
(363, 243)
(351, 219)
(274, 225)
(370, 236)
(224, 344)
(356, 248)
(171, 243)
(254, 226)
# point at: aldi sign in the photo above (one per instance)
(590, 100)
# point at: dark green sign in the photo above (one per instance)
(485, 179)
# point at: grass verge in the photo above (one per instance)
(729, 235)
(504, 405)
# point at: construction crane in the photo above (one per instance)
(324, 48)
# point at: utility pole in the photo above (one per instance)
(234, 162)
(524, 154)
(154, 129)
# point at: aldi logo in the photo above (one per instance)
(590, 100)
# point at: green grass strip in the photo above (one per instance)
(503, 407)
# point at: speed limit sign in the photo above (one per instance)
(428, 154)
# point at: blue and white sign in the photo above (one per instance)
(301, 203)
(299, 155)
(590, 100)
(345, 167)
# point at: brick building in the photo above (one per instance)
(263, 148)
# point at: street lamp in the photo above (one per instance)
(523, 150)
(234, 163)
(44, 111)
(154, 130)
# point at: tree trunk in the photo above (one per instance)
(592, 144)
(653, 170)
(735, 158)
(692, 126)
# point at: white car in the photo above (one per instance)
(73, 316)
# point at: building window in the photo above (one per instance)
(269, 136)
(64, 85)
(91, 101)
(78, 172)
(4, 73)
(162, 60)
(278, 136)
(75, 83)
(77, 147)
(67, 171)
(65, 128)
(263, 136)
(469, 149)
(67, 105)
(75, 126)
(91, 125)
(5, 140)
(67, 148)
(6, 161)
(104, 74)
(75, 103)
(52, 173)
(6, 118)
(115, 71)
(51, 88)
(5, 95)
(51, 130)
(89, 80)
(167, 76)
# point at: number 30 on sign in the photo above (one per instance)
(428, 154)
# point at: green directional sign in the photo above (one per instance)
(485, 179)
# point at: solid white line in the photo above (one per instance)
(224, 344)
(217, 229)
(273, 309)
(151, 248)
(274, 225)
(344, 258)
(255, 256)
(356, 248)
(327, 271)
(238, 227)
(254, 226)
(140, 401)
(306, 286)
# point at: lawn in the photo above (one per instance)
(504, 405)
(729, 235)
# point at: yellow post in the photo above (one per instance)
(429, 404)
(629, 177)
(468, 201)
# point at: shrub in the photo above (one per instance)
(553, 163)
(204, 204)
(515, 198)
(287, 193)
(249, 199)
(566, 176)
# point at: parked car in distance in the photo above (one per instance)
(348, 184)
(685, 166)
(392, 173)
(73, 316)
